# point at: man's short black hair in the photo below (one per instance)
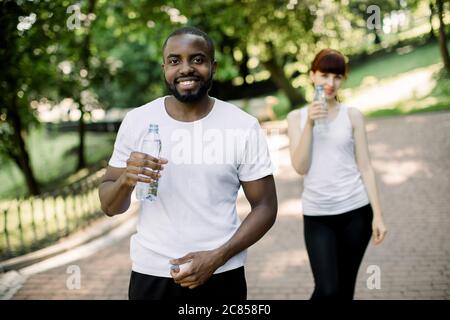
(194, 31)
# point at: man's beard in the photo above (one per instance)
(190, 97)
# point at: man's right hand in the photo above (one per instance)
(142, 167)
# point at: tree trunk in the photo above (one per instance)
(431, 34)
(15, 147)
(85, 56)
(279, 78)
(377, 39)
(81, 136)
(282, 82)
(23, 159)
(442, 36)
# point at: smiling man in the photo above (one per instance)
(190, 243)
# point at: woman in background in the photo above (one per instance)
(341, 207)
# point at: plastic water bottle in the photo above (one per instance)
(321, 125)
(151, 144)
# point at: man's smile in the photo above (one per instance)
(187, 83)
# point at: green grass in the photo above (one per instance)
(393, 64)
(437, 100)
(52, 159)
(399, 111)
(281, 108)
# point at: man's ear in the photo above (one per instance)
(214, 66)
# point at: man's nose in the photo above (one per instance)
(186, 68)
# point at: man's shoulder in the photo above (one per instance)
(235, 115)
(152, 106)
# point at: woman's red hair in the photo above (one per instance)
(330, 61)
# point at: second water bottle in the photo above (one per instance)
(321, 125)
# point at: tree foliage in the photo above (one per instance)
(112, 57)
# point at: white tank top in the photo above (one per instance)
(333, 184)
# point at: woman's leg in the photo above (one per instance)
(320, 240)
(352, 243)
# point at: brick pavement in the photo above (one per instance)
(411, 158)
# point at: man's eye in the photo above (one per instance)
(173, 61)
(198, 60)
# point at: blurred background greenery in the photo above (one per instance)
(83, 62)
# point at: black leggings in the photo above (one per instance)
(336, 246)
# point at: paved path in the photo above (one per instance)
(411, 156)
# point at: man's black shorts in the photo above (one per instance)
(228, 285)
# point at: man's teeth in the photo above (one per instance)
(186, 83)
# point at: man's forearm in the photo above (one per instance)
(115, 197)
(254, 226)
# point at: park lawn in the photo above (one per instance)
(393, 64)
(53, 159)
(437, 100)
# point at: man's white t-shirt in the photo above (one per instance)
(195, 208)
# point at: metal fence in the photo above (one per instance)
(72, 126)
(28, 224)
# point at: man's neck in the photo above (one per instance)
(188, 112)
